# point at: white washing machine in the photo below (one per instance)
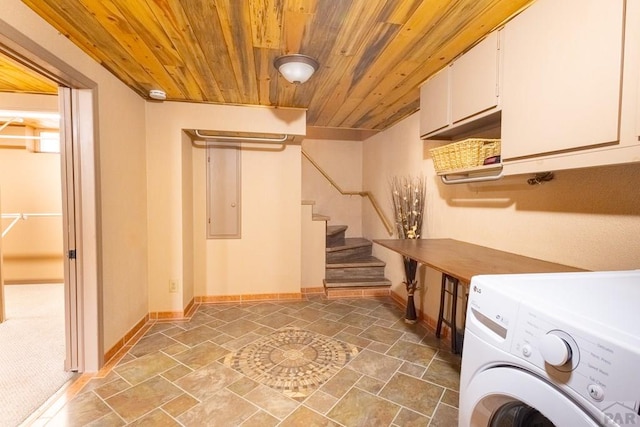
(559, 349)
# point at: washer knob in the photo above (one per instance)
(555, 351)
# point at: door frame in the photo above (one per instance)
(2, 315)
(78, 103)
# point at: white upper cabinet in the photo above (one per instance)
(465, 94)
(474, 80)
(561, 82)
(637, 131)
(434, 102)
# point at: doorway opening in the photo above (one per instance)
(33, 332)
(78, 194)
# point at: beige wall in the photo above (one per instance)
(122, 175)
(583, 218)
(587, 218)
(267, 257)
(342, 160)
(31, 184)
(187, 219)
(314, 245)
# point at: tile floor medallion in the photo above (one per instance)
(293, 361)
(314, 362)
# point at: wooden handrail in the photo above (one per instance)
(367, 194)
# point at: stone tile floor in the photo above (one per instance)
(315, 362)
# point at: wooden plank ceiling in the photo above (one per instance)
(373, 54)
(15, 77)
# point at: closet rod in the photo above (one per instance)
(18, 216)
(21, 137)
(222, 138)
(11, 120)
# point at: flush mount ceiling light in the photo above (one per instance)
(158, 94)
(296, 68)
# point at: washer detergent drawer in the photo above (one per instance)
(507, 394)
(491, 315)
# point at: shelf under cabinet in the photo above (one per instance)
(476, 174)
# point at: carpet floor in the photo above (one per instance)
(32, 349)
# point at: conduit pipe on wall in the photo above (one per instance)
(281, 139)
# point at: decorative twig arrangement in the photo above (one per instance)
(408, 195)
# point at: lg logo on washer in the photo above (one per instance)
(476, 289)
(621, 414)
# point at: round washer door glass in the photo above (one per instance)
(518, 414)
(506, 396)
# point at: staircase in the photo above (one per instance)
(351, 270)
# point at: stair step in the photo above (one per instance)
(356, 283)
(360, 268)
(335, 229)
(354, 273)
(353, 248)
(351, 243)
(350, 270)
(357, 262)
(335, 235)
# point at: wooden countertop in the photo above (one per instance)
(464, 260)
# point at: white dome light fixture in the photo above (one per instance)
(296, 68)
(158, 94)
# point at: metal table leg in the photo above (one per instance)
(452, 321)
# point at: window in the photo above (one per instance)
(49, 142)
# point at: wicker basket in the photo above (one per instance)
(468, 153)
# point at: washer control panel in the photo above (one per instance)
(599, 371)
(577, 331)
(559, 350)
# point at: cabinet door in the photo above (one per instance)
(434, 102)
(638, 110)
(474, 80)
(224, 188)
(562, 77)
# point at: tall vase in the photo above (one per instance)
(410, 268)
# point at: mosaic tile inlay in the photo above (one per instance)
(291, 360)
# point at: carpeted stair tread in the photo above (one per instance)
(354, 283)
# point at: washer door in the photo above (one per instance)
(510, 397)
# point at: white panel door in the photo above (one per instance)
(69, 158)
(224, 195)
